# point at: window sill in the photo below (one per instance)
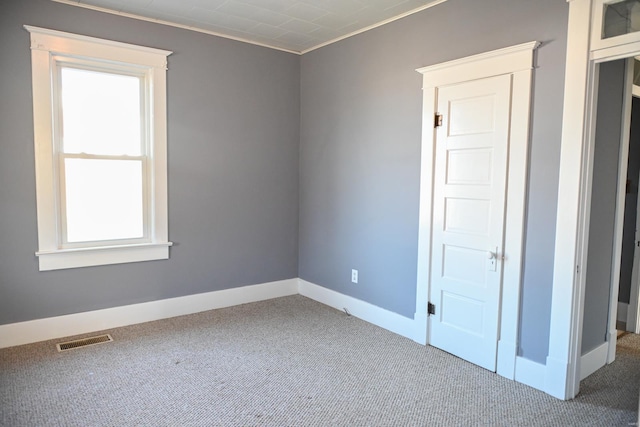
(102, 255)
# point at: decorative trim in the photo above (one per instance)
(60, 42)
(514, 227)
(517, 61)
(497, 53)
(567, 301)
(507, 60)
(425, 220)
(102, 255)
(363, 310)
(593, 360)
(93, 40)
(73, 324)
(530, 373)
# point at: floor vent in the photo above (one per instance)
(70, 345)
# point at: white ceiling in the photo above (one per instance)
(291, 25)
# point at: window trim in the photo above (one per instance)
(46, 46)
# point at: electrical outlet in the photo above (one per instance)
(354, 276)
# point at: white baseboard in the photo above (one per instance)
(593, 360)
(542, 377)
(363, 310)
(73, 324)
(530, 373)
(623, 309)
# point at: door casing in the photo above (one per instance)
(517, 61)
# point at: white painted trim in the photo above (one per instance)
(102, 255)
(593, 360)
(47, 39)
(388, 320)
(73, 324)
(246, 40)
(530, 373)
(507, 60)
(623, 310)
(616, 52)
(517, 61)
(515, 222)
(427, 160)
(567, 302)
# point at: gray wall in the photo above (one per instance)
(630, 205)
(360, 150)
(603, 204)
(233, 127)
(239, 117)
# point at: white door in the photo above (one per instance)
(468, 217)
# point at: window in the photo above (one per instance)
(621, 17)
(100, 150)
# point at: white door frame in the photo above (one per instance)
(518, 62)
(606, 352)
(562, 377)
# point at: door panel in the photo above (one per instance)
(468, 218)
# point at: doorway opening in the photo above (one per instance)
(611, 282)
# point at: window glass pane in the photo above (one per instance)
(621, 17)
(103, 199)
(101, 113)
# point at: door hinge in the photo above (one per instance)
(431, 309)
(437, 121)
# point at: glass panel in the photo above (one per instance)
(101, 113)
(621, 17)
(103, 199)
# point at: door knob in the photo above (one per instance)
(491, 255)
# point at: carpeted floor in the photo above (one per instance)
(287, 362)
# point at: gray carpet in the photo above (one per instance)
(287, 362)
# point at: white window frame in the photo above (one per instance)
(49, 48)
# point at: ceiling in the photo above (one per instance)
(291, 25)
